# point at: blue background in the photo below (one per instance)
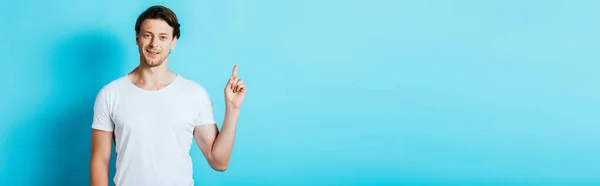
(339, 92)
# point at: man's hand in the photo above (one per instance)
(234, 91)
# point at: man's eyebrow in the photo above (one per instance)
(148, 32)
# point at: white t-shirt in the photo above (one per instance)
(153, 129)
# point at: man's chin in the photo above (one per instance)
(153, 63)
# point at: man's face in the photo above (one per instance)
(155, 41)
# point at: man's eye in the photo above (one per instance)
(147, 35)
(163, 37)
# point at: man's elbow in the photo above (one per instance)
(219, 163)
(99, 161)
(220, 168)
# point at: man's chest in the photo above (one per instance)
(154, 115)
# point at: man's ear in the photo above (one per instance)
(137, 40)
(173, 43)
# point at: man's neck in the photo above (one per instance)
(152, 78)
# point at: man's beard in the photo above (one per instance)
(160, 62)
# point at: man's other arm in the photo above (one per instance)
(100, 158)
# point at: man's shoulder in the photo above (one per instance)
(114, 85)
(191, 85)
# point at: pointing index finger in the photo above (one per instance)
(234, 73)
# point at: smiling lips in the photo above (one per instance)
(152, 53)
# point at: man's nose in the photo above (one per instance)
(154, 42)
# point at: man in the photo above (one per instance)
(153, 113)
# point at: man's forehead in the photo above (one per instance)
(156, 25)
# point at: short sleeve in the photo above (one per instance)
(204, 109)
(102, 115)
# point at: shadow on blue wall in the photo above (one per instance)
(81, 64)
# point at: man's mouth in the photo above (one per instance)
(152, 52)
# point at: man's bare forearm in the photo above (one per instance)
(223, 145)
(98, 172)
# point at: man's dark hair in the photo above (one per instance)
(159, 12)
